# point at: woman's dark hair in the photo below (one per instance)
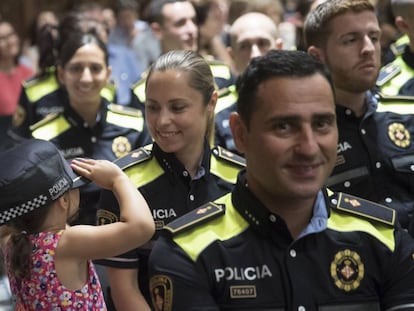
(52, 38)
(76, 41)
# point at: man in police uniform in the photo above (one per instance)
(252, 34)
(396, 78)
(173, 22)
(375, 149)
(280, 240)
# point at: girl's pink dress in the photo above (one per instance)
(42, 290)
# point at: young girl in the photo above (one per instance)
(49, 263)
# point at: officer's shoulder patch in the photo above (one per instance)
(196, 217)
(37, 79)
(134, 157)
(226, 155)
(363, 208)
(388, 72)
(124, 110)
(395, 98)
(47, 119)
(398, 47)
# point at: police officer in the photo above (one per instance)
(176, 173)
(252, 34)
(33, 103)
(393, 77)
(375, 150)
(280, 240)
(89, 126)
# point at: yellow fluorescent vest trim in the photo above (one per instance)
(344, 223)
(52, 129)
(144, 173)
(125, 121)
(194, 241)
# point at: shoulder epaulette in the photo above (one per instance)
(196, 217)
(362, 208)
(388, 72)
(395, 98)
(228, 156)
(134, 157)
(398, 47)
(124, 110)
(47, 119)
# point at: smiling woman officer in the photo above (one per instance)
(179, 171)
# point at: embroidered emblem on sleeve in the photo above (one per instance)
(161, 292)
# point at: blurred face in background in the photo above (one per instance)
(85, 74)
(179, 30)
(252, 35)
(9, 42)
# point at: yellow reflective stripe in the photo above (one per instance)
(220, 71)
(224, 169)
(139, 91)
(195, 240)
(393, 86)
(396, 107)
(145, 172)
(108, 92)
(347, 223)
(41, 88)
(52, 129)
(226, 101)
(122, 120)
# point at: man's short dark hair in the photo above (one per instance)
(275, 64)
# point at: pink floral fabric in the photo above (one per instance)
(43, 290)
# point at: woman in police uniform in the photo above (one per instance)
(88, 125)
(179, 171)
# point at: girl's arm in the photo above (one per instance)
(135, 226)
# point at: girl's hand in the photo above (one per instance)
(104, 173)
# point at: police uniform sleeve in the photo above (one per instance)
(22, 118)
(175, 282)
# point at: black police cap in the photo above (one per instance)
(32, 175)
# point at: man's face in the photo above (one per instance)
(353, 51)
(252, 39)
(179, 30)
(291, 142)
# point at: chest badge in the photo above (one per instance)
(121, 146)
(347, 270)
(399, 135)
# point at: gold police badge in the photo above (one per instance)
(161, 292)
(347, 270)
(399, 135)
(121, 146)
